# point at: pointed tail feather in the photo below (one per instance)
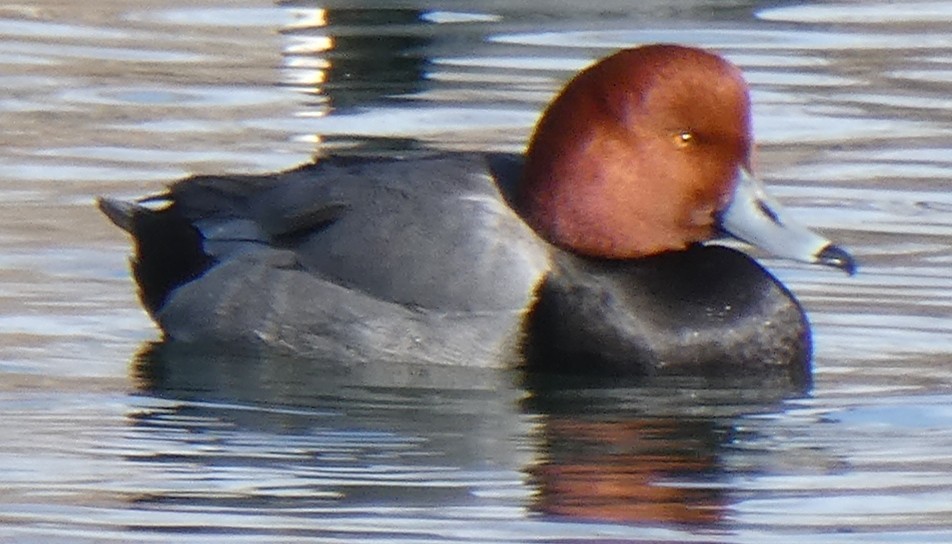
(118, 211)
(168, 248)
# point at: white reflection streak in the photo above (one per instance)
(303, 68)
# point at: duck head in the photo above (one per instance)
(648, 151)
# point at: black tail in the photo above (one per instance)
(168, 249)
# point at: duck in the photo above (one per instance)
(595, 252)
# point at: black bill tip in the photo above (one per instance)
(837, 257)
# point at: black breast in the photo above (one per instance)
(707, 311)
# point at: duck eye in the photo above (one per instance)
(684, 138)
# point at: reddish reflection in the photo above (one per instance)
(627, 471)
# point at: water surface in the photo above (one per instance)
(104, 440)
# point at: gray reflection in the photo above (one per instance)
(352, 436)
(345, 58)
(358, 57)
(279, 434)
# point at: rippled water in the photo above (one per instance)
(104, 440)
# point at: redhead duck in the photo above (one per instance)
(588, 254)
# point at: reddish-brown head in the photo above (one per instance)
(638, 153)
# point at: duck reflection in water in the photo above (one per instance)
(649, 453)
(628, 471)
(644, 454)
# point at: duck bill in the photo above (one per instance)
(758, 219)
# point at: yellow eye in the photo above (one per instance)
(684, 138)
